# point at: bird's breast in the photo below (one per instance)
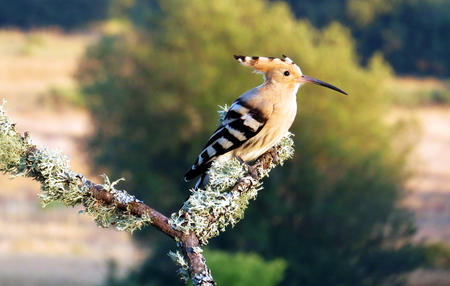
(284, 111)
(277, 125)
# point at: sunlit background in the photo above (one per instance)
(131, 88)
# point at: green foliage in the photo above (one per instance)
(413, 35)
(244, 269)
(67, 14)
(331, 213)
(438, 255)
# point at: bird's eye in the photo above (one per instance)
(286, 73)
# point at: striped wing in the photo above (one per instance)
(240, 124)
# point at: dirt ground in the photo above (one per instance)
(429, 188)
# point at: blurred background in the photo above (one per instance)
(131, 88)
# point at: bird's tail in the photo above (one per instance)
(196, 171)
(202, 181)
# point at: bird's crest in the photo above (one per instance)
(265, 64)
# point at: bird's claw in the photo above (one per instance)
(251, 169)
(273, 153)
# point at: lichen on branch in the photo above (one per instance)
(18, 156)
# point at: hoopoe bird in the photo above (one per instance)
(258, 119)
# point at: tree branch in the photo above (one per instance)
(198, 270)
(134, 208)
(207, 211)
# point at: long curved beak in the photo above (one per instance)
(306, 78)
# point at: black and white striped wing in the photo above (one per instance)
(240, 124)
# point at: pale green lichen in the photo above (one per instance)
(183, 270)
(108, 215)
(58, 182)
(223, 175)
(12, 146)
(18, 156)
(202, 278)
(12, 151)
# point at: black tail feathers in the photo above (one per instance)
(196, 171)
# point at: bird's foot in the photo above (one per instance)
(274, 154)
(251, 169)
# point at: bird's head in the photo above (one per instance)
(281, 70)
